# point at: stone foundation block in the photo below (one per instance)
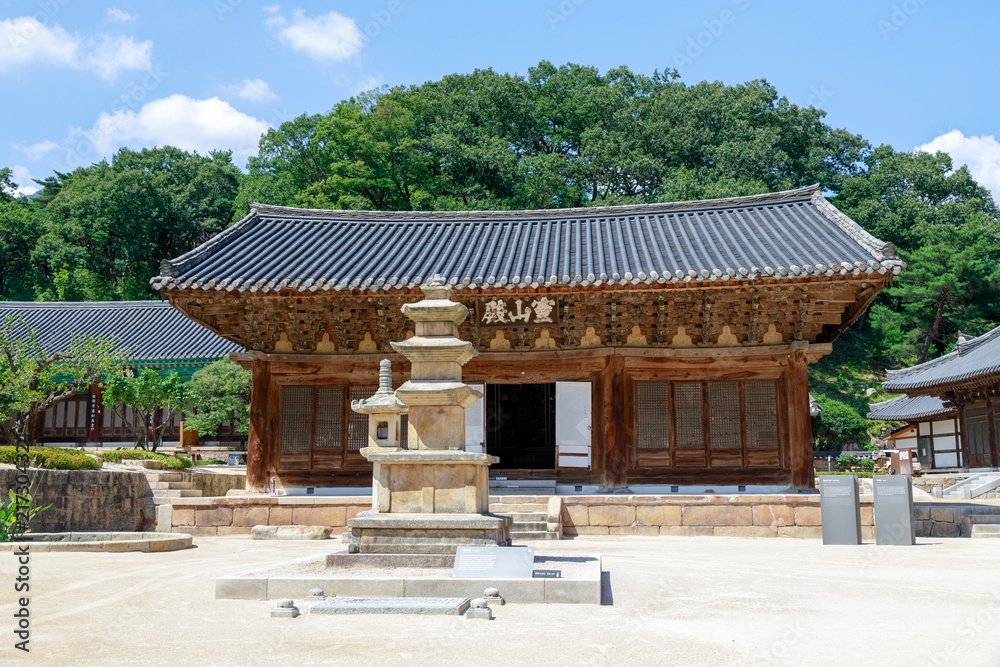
(280, 516)
(773, 515)
(745, 531)
(197, 530)
(319, 516)
(867, 515)
(591, 530)
(687, 531)
(921, 513)
(217, 516)
(923, 528)
(659, 515)
(634, 530)
(944, 529)
(808, 516)
(250, 516)
(233, 530)
(577, 515)
(801, 532)
(946, 514)
(717, 515)
(612, 515)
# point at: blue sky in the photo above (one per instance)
(81, 78)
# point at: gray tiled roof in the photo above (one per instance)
(972, 359)
(778, 235)
(148, 329)
(904, 408)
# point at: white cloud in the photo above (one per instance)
(178, 120)
(981, 154)
(25, 41)
(115, 14)
(22, 178)
(271, 9)
(115, 54)
(37, 151)
(330, 36)
(253, 89)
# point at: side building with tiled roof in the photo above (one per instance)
(653, 344)
(960, 387)
(154, 335)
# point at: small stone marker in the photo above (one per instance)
(492, 596)
(894, 510)
(489, 562)
(422, 606)
(150, 464)
(547, 574)
(479, 609)
(840, 509)
(286, 609)
(316, 595)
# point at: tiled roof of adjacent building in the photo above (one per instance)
(972, 359)
(150, 330)
(779, 235)
(904, 409)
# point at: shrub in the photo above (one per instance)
(10, 527)
(170, 462)
(209, 462)
(53, 458)
(839, 424)
(847, 459)
(867, 465)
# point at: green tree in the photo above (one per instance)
(220, 393)
(952, 283)
(20, 227)
(838, 425)
(116, 221)
(32, 380)
(146, 402)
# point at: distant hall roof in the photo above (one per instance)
(150, 330)
(972, 360)
(905, 408)
(778, 235)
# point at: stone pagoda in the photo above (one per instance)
(434, 496)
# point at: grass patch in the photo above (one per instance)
(52, 458)
(170, 462)
(210, 462)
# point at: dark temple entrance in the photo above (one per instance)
(521, 425)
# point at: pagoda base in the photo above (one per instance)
(374, 533)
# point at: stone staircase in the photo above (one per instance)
(977, 485)
(982, 522)
(533, 518)
(163, 486)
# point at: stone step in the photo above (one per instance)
(526, 516)
(164, 477)
(170, 485)
(988, 530)
(981, 519)
(512, 508)
(177, 493)
(529, 527)
(532, 535)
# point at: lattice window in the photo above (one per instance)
(652, 401)
(761, 414)
(404, 423)
(687, 404)
(329, 417)
(357, 423)
(296, 414)
(724, 415)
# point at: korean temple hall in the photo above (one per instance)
(653, 344)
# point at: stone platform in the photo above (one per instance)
(580, 582)
(420, 606)
(374, 533)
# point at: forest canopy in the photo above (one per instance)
(559, 136)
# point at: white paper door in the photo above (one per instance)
(475, 423)
(573, 427)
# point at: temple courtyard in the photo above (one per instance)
(667, 600)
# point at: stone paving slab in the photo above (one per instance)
(420, 606)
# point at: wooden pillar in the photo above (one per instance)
(262, 439)
(991, 420)
(615, 423)
(800, 443)
(963, 434)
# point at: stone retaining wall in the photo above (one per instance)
(792, 515)
(84, 499)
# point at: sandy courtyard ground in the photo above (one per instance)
(672, 601)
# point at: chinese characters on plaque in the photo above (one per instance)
(513, 311)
